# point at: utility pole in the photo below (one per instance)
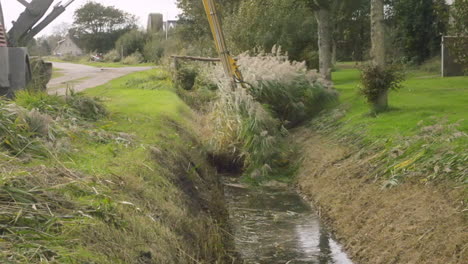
(167, 24)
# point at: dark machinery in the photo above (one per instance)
(15, 68)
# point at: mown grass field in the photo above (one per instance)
(424, 96)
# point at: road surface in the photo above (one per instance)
(80, 77)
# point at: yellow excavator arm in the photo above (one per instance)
(229, 64)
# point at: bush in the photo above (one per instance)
(154, 50)
(131, 42)
(377, 82)
(133, 59)
(185, 76)
(112, 56)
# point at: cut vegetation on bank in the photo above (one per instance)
(81, 184)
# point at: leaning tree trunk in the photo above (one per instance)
(324, 42)
(378, 47)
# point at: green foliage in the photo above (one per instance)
(71, 106)
(185, 76)
(97, 27)
(459, 28)
(131, 42)
(133, 59)
(288, 24)
(157, 46)
(112, 56)
(295, 102)
(418, 26)
(376, 81)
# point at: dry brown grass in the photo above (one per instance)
(410, 223)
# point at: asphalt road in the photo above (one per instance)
(81, 77)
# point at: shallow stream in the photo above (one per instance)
(274, 225)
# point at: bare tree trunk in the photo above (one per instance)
(378, 46)
(333, 60)
(324, 41)
(377, 33)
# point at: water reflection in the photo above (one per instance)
(274, 225)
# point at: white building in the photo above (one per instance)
(67, 47)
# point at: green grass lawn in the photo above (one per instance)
(423, 98)
(425, 129)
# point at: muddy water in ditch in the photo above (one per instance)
(274, 225)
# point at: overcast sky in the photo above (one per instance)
(140, 8)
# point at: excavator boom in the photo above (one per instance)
(230, 66)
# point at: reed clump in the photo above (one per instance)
(249, 124)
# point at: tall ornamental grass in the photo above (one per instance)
(249, 123)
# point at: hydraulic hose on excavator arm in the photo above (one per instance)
(230, 66)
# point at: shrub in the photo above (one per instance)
(377, 82)
(154, 50)
(131, 42)
(133, 59)
(112, 56)
(185, 76)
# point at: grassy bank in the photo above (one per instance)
(132, 187)
(392, 186)
(422, 137)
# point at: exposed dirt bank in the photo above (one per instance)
(410, 223)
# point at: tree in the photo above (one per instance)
(378, 49)
(97, 27)
(193, 27)
(131, 42)
(378, 33)
(322, 11)
(351, 30)
(459, 29)
(256, 24)
(418, 27)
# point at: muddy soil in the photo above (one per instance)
(410, 223)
